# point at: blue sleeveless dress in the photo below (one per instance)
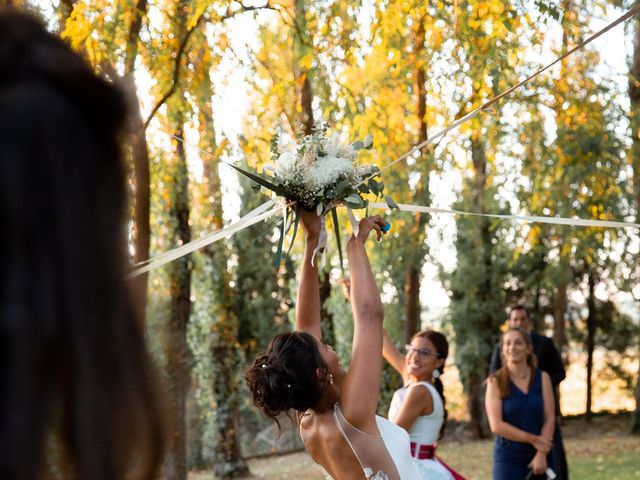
(526, 412)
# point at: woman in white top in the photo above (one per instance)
(419, 407)
(336, 409)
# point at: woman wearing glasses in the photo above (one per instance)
(419, 407)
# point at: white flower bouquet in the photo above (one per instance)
(319, 173)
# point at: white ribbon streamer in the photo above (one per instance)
(355, 226)
(322, 241)
(263, 212)
(257, 215)
(576, 222)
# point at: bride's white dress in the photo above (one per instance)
(383, 457)
(424, 432)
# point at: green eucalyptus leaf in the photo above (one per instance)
(374, 186)
(354, 204)
(319, 208)
(258, 179)
(278, 257)
(368, 142)
(295, 228)
(354, 198)
(342, 188)
(336, 230)
(289, 222)
(391, 203)
(357, 145)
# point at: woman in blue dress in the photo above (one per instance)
(520, 408)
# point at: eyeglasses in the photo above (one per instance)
(422, 352)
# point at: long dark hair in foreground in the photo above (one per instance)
(77, 387)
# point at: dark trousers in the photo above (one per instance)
(562, 470)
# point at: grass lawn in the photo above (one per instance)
(601, 450)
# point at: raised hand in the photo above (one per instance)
(346, 288)
(368, 224)
(310, 223)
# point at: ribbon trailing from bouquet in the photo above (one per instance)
(270, 209)
(574, 222)
(264, 211)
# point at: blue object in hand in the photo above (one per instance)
(386, 227)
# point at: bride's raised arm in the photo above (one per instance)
(308, 301)
(361, 387)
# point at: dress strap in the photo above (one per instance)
(370, 450)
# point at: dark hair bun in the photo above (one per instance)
(270, 385)
(284, 376)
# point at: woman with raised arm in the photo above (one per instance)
(419, 406)
(336, 409)
(520, 408)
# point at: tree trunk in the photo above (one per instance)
(559, 310)
(142, 194)
(195, 458)
(140, 157)
(591, 332)
(417, 248)
(412, 300)
(475, 404)
(301, 75)
(635, 418)
(177, 369)
(634, 121)
(228, 462)
(64, 10)
(475, 390)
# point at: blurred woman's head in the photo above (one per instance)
(516, 347)
(76, 373)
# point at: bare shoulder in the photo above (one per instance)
(546, 379)
(325, 445)
(418, 392)
(492, 384)
(316, 428)
(305, 420)
(419, 397)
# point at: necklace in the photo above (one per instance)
(521, 376)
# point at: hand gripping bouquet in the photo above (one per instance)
(321, 173)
